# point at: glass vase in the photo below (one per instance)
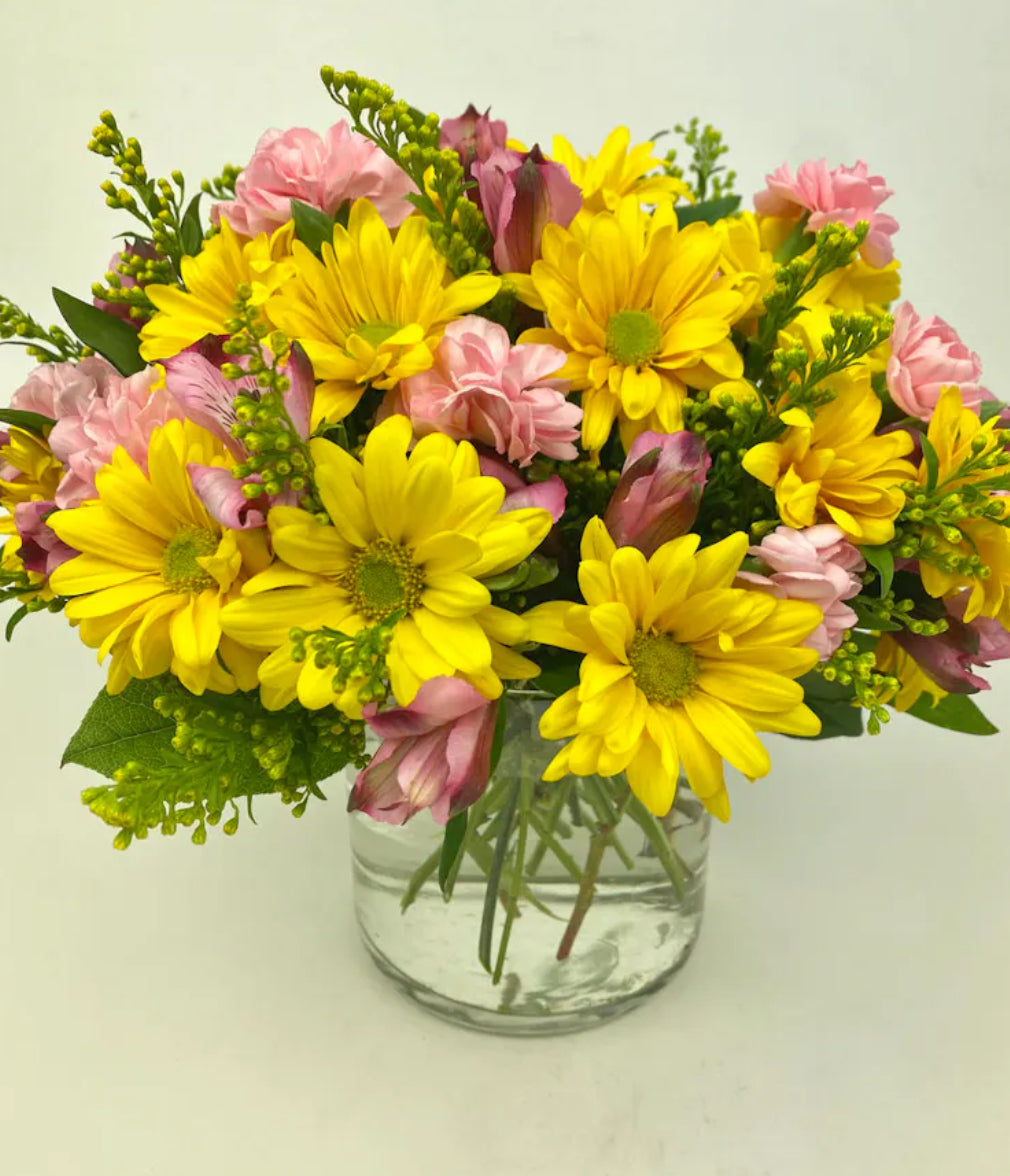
(595, 903)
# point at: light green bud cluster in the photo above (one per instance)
(46, 344)
(851, 668)
(358, 662)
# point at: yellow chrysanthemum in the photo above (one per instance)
(913, 680)
(39, 473)
(742, 256)
(156, 569)
(615, 173)
(373, 310)
(212, 279)
(958, 436)
(636, 305)
(412, 535)
(681, 668)
(835, 468)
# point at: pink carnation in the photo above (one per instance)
(927, 355)
(322, 171)
(845, 194)
(96, 410)
(817, 564)
(483, 389)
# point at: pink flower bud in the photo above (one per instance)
(927, 355)
(41, 550)
(520, 194)
(435, 753)
(817, 564)
(661, 485)
(475, 137)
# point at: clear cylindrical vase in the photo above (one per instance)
(593, 903)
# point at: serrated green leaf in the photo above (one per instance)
(707, 211)
(31, 422)
(881, 559)
(119, 728)
(312, 227)
(955, 712)
(102, 332)
(452, 847)
(190, 229)
(932, 461)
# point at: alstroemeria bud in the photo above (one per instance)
(520, 194)
(949, 657)
(660, 488)
(473, 136)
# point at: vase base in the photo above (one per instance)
(510, 1021)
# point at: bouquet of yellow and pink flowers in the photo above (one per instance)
(527, 484)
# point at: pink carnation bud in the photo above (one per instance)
(949, 657)
(41, 550)
(483, 389)
(817, 564)
(661, 485)
(846, 195)
(322, 171)
(520, 194)
(435, 754)
(473, 136)
(927, 355)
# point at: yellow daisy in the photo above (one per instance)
(411, 535)
(605, 179)
(373, 310)
(835, 468)
(681, 668)
(156, 569)
(958, 436)
(39, 472)
(741, 255)
(211, 280)
(637, 306)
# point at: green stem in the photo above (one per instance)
(421, 875)
(602, 802)
(545, 826)
(516, 881)
(587, 889)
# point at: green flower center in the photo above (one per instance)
(382, 579)
(663, 669)
(179, 568)
(375, 334)
(633, 337)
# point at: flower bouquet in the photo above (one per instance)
(532, 487)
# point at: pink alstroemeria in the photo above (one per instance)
(927, 355)
(843, 194)
(41, 551)
(322, 171)
(521, 193)
(96, 410)
(195, 380)
(817, 564)
(549, 495)
(950, 657)
(659, 491)
(473, 136)
(483, 389)
(435, 754)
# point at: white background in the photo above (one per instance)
(175, 1010)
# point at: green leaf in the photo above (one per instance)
(190, 229)
(452, 848)
(955, 712)
(498, 739)
(15, 619)
(559, 673)
(707, 211)
(797, 243)
(119, 728)
(102, 332)
(312, 227)
(932, 462)
(31, 422)
(990, 408)
(833, 704)
(881, 559)
(868, 618)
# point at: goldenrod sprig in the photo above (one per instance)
(797, 381)
(707, 148)
(411, 139)
(46, 344)
(358, 662)
(851, 668)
